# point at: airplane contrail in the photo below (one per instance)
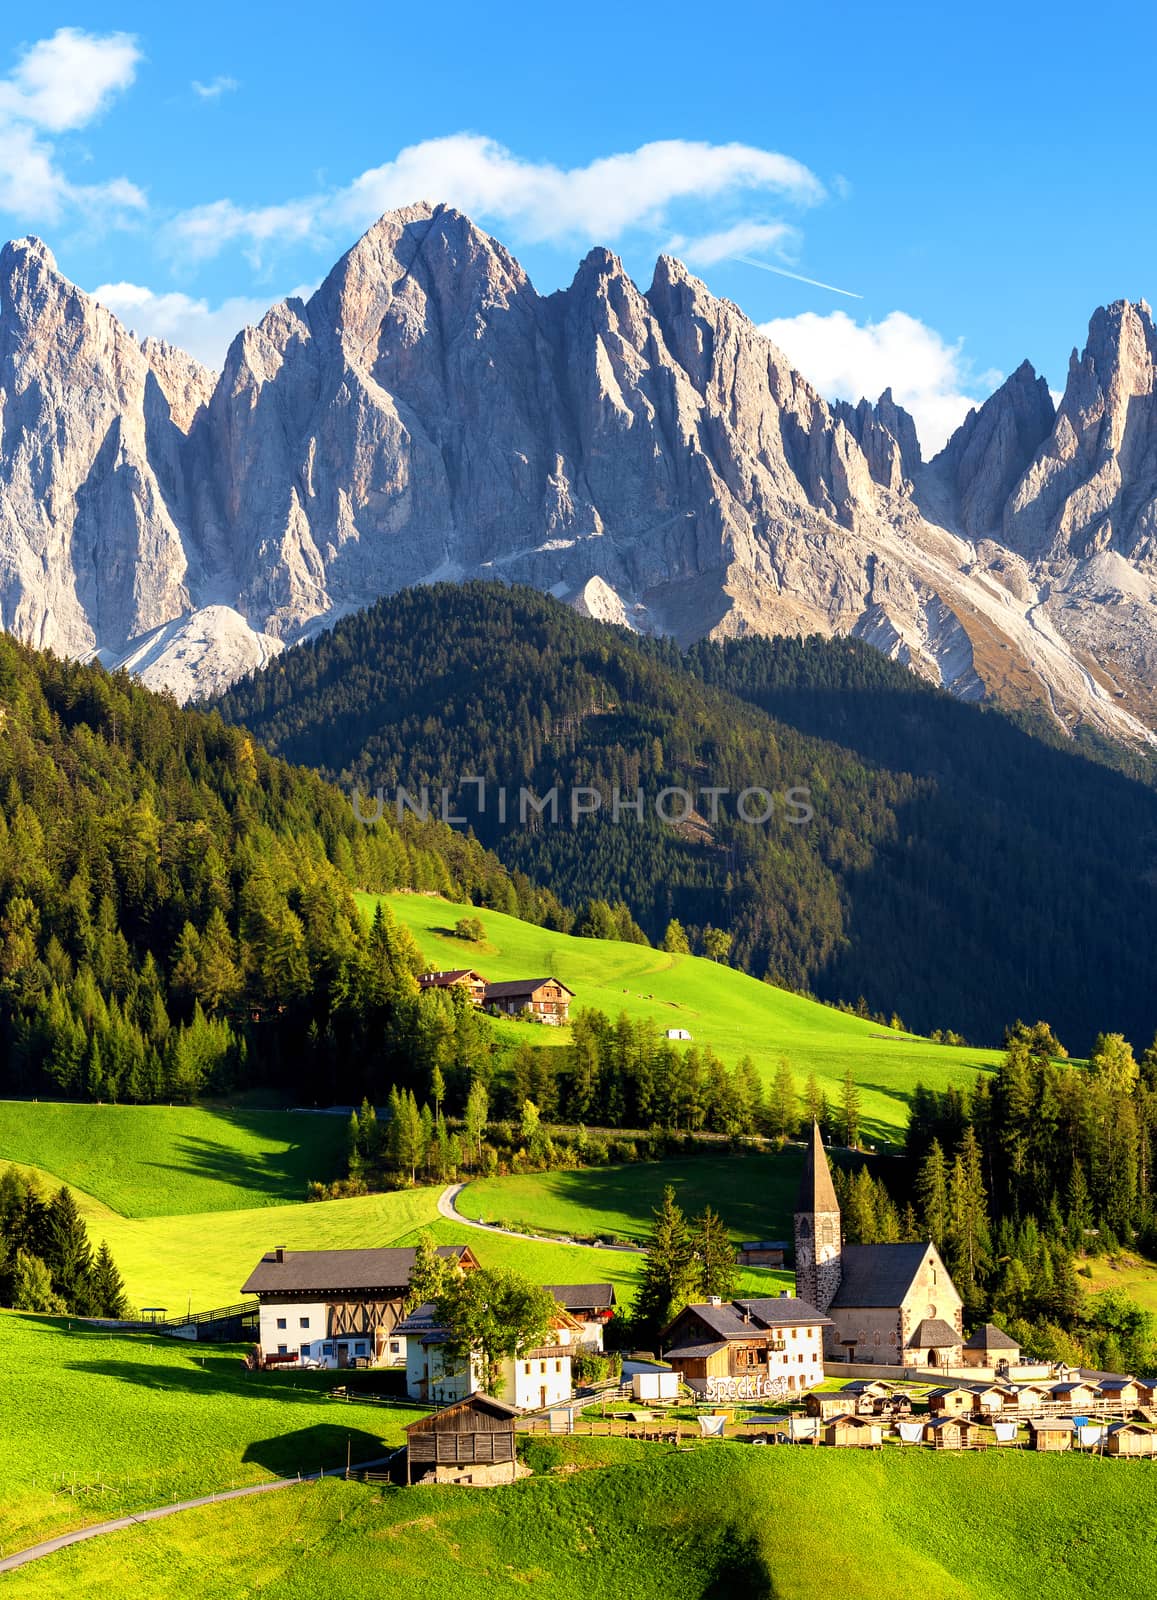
(782, 272)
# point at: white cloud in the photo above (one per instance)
(535, 201)
(58, 85)
(707, 249)
(215, 88)
(846, 360)
(203, 330)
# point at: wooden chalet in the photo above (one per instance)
(1146, 1392)
(1051, 1433)
(853, 1432)
(953, 1433)
(336, 1308)
(748, 1349)
(953, 1401)
(543, 999)
(825, 1406)
(1076, 1395)
(473, 983)
(1130, 1439)
(1120, 1394)
(469, 1442)
(993, 1399)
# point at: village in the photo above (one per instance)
(868, 1352)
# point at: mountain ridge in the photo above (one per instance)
(649, 456)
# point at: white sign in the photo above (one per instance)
(754, 1387)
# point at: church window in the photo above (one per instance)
(804, 1227)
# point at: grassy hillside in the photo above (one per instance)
(718, 1520)
(735, 1014)
(151, 1161)
(754, 1194)
(135, 1422)
(172, 1261)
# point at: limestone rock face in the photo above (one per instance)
(647, 456)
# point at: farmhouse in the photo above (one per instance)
(464, 978)
(886, 1304)
(543, 999)
(336, 1308)
(469, 1442)
(990, 1347)
(592, 1305)
(745, 1349)
(537, 1378)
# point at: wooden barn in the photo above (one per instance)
(543, 999)
(1131, 1439)
(837, 1403)
(853, 1432)
(1051, 1433)
(473, 983)
(952, 1433)
(471, 1442)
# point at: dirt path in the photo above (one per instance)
(448, 1208)
(48, 1547)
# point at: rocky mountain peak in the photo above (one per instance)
(990, 452)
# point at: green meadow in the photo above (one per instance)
(754, 1194)
(735, 1014)
(716, 1520)
(150, 1161)
(93, 1425)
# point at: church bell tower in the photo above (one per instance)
(817, 1229)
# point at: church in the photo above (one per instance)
(885, 1304)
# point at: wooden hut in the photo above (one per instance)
(950, 1401)
(865, 1395)
(1031, 1398)
(1130, 1439)
(854, 1432)
(952, 1433)
(1076, 1395)
(1121, 1394)
(471, 1441)
(1050, 1433)
(827, 1405)
(1146, 1392)
(994, 1399)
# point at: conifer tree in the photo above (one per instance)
(108, 1289)
(715, 1268)
(932, 1195)
(850, 1110)
(69, 1254)
(668, 1278)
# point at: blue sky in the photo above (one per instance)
(980, 178)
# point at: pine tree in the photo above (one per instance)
(108, 1289)
(69, 1253)
(667, 1282)
(675, 939)
(716, 1270)
(477, 1114)
(932, 1195)
(783, 1113)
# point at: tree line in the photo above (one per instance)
(47, 1263)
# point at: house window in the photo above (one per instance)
(304, 1322)
(360, 1348)
(795, 1333)
(282, 1349)
(394, 1347)
(528, 1369)
(327, 1349)
(542, 1367)
(280, 1323)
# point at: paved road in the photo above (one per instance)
(48, 1547)
(447, 1207)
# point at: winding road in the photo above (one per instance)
(48, 1547)
(448, 1208)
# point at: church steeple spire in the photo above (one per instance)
(817, 1229)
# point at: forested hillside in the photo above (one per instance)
(177, 913)
(958, 869)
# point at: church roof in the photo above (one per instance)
(933, 1333)
(878, 1275)
(990, 1337)
(816, 1192)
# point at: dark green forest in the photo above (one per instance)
(177, 913)
(960, 869)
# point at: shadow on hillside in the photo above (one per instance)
(316, 1449)
(742, 1573)
(206, 1374)
(280, 1174)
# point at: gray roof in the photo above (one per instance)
(990, 1337)
(512, 988)
(1117, 1383)
(933, 1334)
(338, 1271)
(685, 1352)
(598, 1296)
(726, 1321)
(1051, 1424)
(877, 1275)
